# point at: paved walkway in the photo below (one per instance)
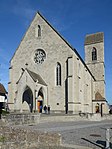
(86, 134)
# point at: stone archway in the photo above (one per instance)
(28, 98)
(97, 108)
(40, 100)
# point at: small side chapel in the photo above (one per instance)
(46, 70)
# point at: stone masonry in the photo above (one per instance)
(30, 80)
(16, 138)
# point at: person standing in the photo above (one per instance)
(45, 109)
(40, 108)
(48, 109)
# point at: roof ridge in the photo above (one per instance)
(74, 50)
(94, 38)
(36, 77)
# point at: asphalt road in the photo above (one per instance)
(84, 133)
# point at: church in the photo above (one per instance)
(46, 70)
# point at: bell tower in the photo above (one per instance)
(94, 59)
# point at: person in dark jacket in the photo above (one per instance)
(45, 109)
(48, 109)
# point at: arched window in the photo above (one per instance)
(58, 74)
(39, 31)
(94, 54)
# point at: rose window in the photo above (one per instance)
(39, 56)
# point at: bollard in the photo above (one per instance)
(107, 139)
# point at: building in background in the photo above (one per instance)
(47, 70)
(3, 96)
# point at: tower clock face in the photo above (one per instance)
(39, 56)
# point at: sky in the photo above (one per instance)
(73, 19)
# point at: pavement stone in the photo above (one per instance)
(79, 134)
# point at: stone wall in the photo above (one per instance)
(57, 50)
(17, 138)
(21, 118)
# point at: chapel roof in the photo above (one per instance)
(76, 52)
(78, 55)
(94, 38)
(2, 89)
(36, 77)
(98, 96)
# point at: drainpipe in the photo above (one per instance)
(47, 96)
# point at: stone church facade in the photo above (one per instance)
(47, 70)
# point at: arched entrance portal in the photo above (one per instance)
(40, 100)
(97, 108)
(28, 98)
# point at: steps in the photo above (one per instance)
(60, 118)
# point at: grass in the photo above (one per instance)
(4, 112)
(2, 139)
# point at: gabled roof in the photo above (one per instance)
(2, 89)
(68, 45)
(62, 39)
(98, 96)
(36, 77)
(94, 38)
